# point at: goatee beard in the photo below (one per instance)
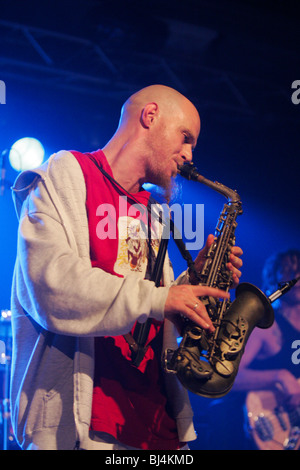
(167, 191)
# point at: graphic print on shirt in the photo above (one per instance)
(133, 247)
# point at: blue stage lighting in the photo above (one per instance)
(148, 186)
(26, 153)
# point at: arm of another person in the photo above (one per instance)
(265, 379)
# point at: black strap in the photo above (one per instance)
(141, 331)
(183, 250)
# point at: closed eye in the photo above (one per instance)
(189, 139)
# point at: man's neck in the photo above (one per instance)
(127, 165)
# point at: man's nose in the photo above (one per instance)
(187, 154)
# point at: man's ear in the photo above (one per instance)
(148, 114)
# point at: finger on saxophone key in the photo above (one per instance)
(201, 291)
(182, 299)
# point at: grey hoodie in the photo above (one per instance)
(60, 303)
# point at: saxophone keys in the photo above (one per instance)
(225, 368)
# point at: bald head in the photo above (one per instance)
(167, 99)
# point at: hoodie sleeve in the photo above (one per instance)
(56, 284)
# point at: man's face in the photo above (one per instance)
(171, 143)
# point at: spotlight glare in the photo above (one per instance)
(149, 186)
(26, 153)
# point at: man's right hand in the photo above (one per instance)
(184, 300)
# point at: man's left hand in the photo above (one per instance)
(234, 265)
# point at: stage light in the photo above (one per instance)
(26, 153)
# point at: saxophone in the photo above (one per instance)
(207, 363)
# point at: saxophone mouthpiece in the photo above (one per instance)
(190, 172)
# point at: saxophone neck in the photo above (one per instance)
(190, 172)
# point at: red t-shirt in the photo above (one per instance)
(129, 402)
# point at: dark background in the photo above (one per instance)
(68, 67)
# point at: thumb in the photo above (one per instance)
(209, 242)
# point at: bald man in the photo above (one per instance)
(83, 284)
